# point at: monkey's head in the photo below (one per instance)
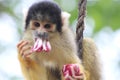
(44, 18)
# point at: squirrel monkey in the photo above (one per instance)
(48, 49)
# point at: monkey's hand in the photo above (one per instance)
(24, 49)
(72, 72)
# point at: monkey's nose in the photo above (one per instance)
(43, 35)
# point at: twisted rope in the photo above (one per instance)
(80, 26)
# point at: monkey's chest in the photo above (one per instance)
(47, 59)
(49, 64)
(53, 58)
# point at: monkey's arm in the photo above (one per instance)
(30, 69)
(91, 59)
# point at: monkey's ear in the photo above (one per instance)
(25, 12)
(65, 18)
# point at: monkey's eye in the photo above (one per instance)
(47, 26)
(36, 24)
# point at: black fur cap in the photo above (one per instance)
(45, 10)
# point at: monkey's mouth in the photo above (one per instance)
(41, 45)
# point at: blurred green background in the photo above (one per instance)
(102, 23)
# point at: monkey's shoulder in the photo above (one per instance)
(88, 42)
(89, 47)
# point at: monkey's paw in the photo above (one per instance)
(72, 72)
(41, 45)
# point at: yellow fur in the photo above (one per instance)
(63, 52)
(91, 59)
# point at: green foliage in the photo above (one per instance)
(104, 12)
(66, 5)
(8, 7)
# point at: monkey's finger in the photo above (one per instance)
(22, 45)
(27, 53)
(25, 48)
